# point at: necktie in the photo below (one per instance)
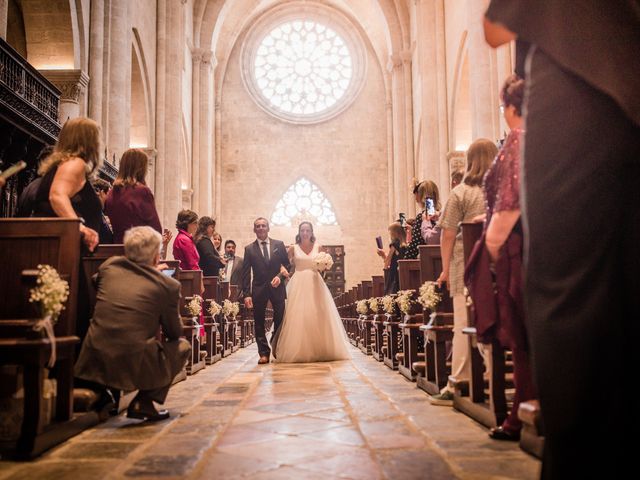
(265, 252)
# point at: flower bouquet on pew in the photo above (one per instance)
(389, 305)
(230, 309)
(430, 298)
(406, 302)
(375, 303)
(362, 307)
(195, 309)
(50, 294)
(214, 308)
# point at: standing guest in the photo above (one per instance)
(216, 238)
(210, 262)
(184, 248)
(130, 203)
(456, 178)
(503, 320)
(396, 252)
(233, 268)
(581, 155)
(65, 190)
(27, 199)
(465, 203)
(103, 188)
(431, 234)
(120, 350)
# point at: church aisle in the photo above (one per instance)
(353, 420)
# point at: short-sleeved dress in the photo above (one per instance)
(465, 203)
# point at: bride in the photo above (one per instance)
(311, 330)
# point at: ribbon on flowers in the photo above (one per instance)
(46, 325)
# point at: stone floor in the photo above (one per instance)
(235, 419)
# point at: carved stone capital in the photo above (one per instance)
(71, 83)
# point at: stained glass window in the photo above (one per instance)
(303, 201)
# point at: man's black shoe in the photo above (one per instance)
(137, 410)
(499, 433)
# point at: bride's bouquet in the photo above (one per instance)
(322, 262)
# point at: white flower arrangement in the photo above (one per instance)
(389, 304)
(50, 292)
(323, 262)
(405, 301)
(374, 304)
(230, 309)
(362, 307)
(195, 305)
(214, 308)
(429, 297)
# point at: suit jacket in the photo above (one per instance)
(236, 272)
(120, 349)
(264, 271)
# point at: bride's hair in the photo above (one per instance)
(313, 238)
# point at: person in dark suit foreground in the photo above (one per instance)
(121, 350)
(233, 268)
(265, 257)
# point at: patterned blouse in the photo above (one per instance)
(502, 180)
(412, 250)
(465, 203)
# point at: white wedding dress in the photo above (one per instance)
(311, 330)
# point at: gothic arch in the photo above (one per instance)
(460, 110)
(142, 118)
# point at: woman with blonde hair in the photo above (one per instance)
(423, 191)
(397, 247)
(130, 202)
(65, 190)
(465, 203)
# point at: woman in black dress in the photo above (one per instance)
(210, 261)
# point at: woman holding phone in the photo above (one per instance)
(423, 191)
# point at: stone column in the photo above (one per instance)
(96, 60)
(431, 63)
(202, 136)
(152, 153)
(168, 178)
(119, 78)
(483, 79)
(72, 84)
(399, 67)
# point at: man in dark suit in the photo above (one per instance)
(264, 258)
(121, 350)
(581, 212)
(233, 268)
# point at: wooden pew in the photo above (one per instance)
(378, 319)
(212, 347)
(437, 330)
(532, 435)
(225, 338)
(234, 334)
(24, 244)
(191, 281)
(392, 339)
(412, 342)
(365, 321)
(486, 407)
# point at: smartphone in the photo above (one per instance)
(379, 242)
(13, 169)
(170, 272)
(403, 220)
(428, 206)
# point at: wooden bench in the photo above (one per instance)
(412, 342)
(392, 342)
(225, 338)
(365, 322)
(233, 323)
(437, 330)
(483, 400)
(377, 323)
(212, 346)
(25, 244)
(191, 282)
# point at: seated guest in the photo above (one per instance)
(65, 190)
(430, 234)
(120, 350)
(210, 262)
(233, 268)
(27, 199)
(130, 203)
(397, 249)
(184, 248)
(102, 188)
